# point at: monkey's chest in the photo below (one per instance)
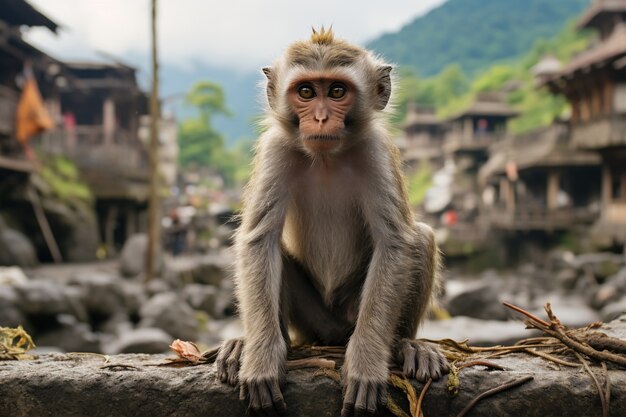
(325, 231)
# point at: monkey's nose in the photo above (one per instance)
(321, 115)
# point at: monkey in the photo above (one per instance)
(328, 251)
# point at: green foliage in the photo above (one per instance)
(201, 145)
(419, 182)
(450, 94)
(475, 33)
(62, 176)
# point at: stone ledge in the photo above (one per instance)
(71, 385)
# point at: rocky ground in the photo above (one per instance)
(134, 385)
(106, 307)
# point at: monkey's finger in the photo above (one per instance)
(348, 400)
(255, 398)
(222, 357)
(360, 404)
(243, 391)
(445, 366)
(232, 364)
(373, 396)
(422, 372)
(409, 353)
(277, 396)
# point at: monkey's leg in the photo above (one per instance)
(417, 358)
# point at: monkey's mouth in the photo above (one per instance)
(322, 137)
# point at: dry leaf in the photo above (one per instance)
(186, 350)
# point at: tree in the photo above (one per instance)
(200, 144)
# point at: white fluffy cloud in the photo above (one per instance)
(238, 34)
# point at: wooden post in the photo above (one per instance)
(552, 189)
(48, 236)
(153, 203)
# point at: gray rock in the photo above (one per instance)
(610, 291)
(70, 335)
(212, 269)
(613, 310)
(145, 340)
(202, 297)
(49, 298)
(10, 313)
(15, 248)
(103, 293)
(78, 221)
(132, 258)
(478, 300)
(60, 385)
(134, 294)
(169, 312)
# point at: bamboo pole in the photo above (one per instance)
(153, 203)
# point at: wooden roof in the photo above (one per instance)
(20, 12)
(421, 115)
(545, 147)
(487, 104)
(598, 10)
(612, 49)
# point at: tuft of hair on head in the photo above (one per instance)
(323, 37)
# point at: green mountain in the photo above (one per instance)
(475, 33)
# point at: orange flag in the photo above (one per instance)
(32, 116)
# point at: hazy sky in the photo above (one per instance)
(239, 34)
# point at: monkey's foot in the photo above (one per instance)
(363, 398)
(228, 360)
(264, 396)
(421, 360)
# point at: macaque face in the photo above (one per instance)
(321, 104)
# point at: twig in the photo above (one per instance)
(605, 407)
(527, 314)
(552, 358)
(494, 391)
(607, 386)
(418, 406)
(310, 363)
(479, 362)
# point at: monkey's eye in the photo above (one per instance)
(337, 91)
(306, 92)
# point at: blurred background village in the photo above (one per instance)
(510, 118)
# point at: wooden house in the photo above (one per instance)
(423, 137)
(594, 83)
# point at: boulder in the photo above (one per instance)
(169, 312)
(49, 299)
(201, 297)
(143, 340)
(479, 300)
(103, 293)
(132, 258)
(70, 335)
(10, 313)
(611, 290)
(212, 269)
(613, 310)
(16, 248)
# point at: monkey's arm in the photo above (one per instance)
(258, 275)
(391, 272)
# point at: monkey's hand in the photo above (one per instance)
(261, 376)
(228, 361)
(421, 360)
(364, 381)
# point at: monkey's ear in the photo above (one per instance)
(271, 85)
(383, 86)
